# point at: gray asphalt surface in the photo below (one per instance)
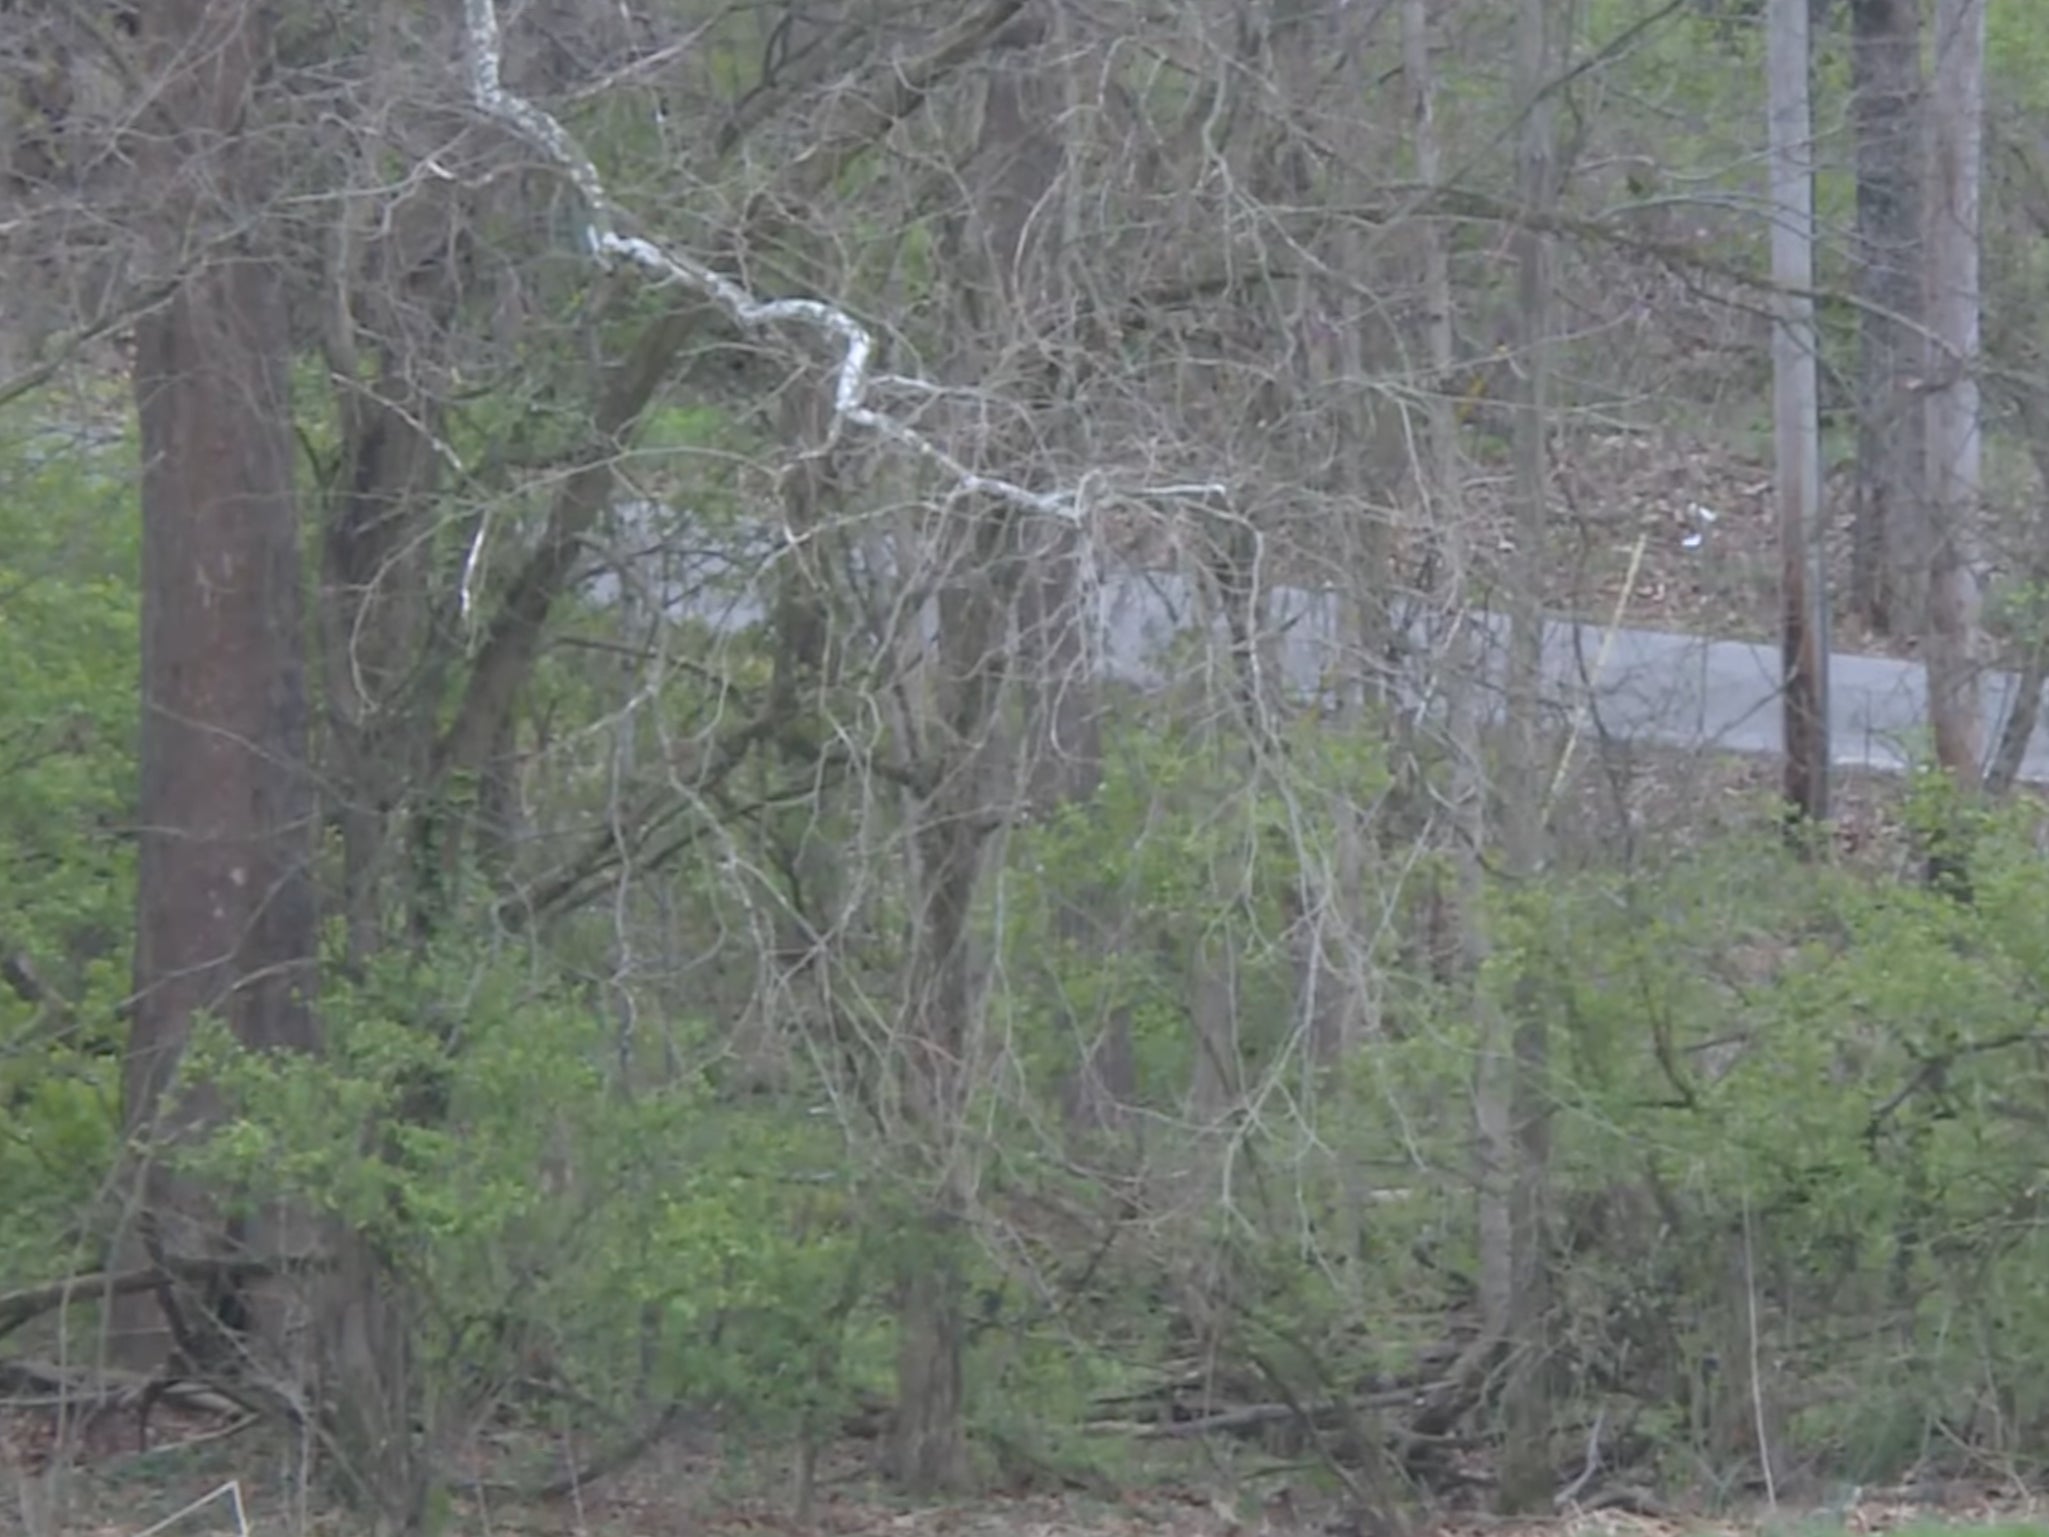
(1636, 685)
(1652, 686)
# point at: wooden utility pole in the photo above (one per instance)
(1796, 416)
(1956, 107)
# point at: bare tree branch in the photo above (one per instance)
(855, 383)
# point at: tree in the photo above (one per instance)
(990, 568)
(1515, 1114)
(1956, 110)
(1891, 486)
(225, 921)
(1352, 437)
(1796, 419)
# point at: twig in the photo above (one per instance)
(1254, 1416)
(39, 374)
(1586, 705)
(1764, 1450)
(233, 1428)
(43, 1385)
(1571, 1492)
(635, 70)
(231, 1491)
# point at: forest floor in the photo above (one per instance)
(214, 1486)
(205, 1475)
(1154, 1514)
(1624, 800)
(1674, 529)
(1668, 530)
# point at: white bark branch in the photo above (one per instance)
(854, 384)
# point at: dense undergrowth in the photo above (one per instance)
(1797, 1106)
(1798, 1112)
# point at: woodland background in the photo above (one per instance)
(574, 884)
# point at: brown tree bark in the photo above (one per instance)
(374, 621)
(2024, 708)
(1950, 646)
(225, 919)
(1796, 420)
(1886, 107)
(950, 827)
(983, 566)
(1353, 437)
(1526, 1466)
(1023, 120)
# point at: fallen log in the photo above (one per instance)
(1194, 1394)
(31, 1302)
(26, 1384)
(1250, 1417)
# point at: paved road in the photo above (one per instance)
(1636, 685)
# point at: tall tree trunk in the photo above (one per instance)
(1025, 218)
(930, 1445)
(1441, 485)
(2024, 707)
(225, 920)
(1796, 419)
(373, 612)
(1440, 479)
(982, 565)
(1352, 434)
(1956, 137)
(1886, 108)
(1440, 501)
(950, 828)
(929, 1451)
(1216, 1075)
(391, 297)
(1064, 767)
(1526, 1468)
